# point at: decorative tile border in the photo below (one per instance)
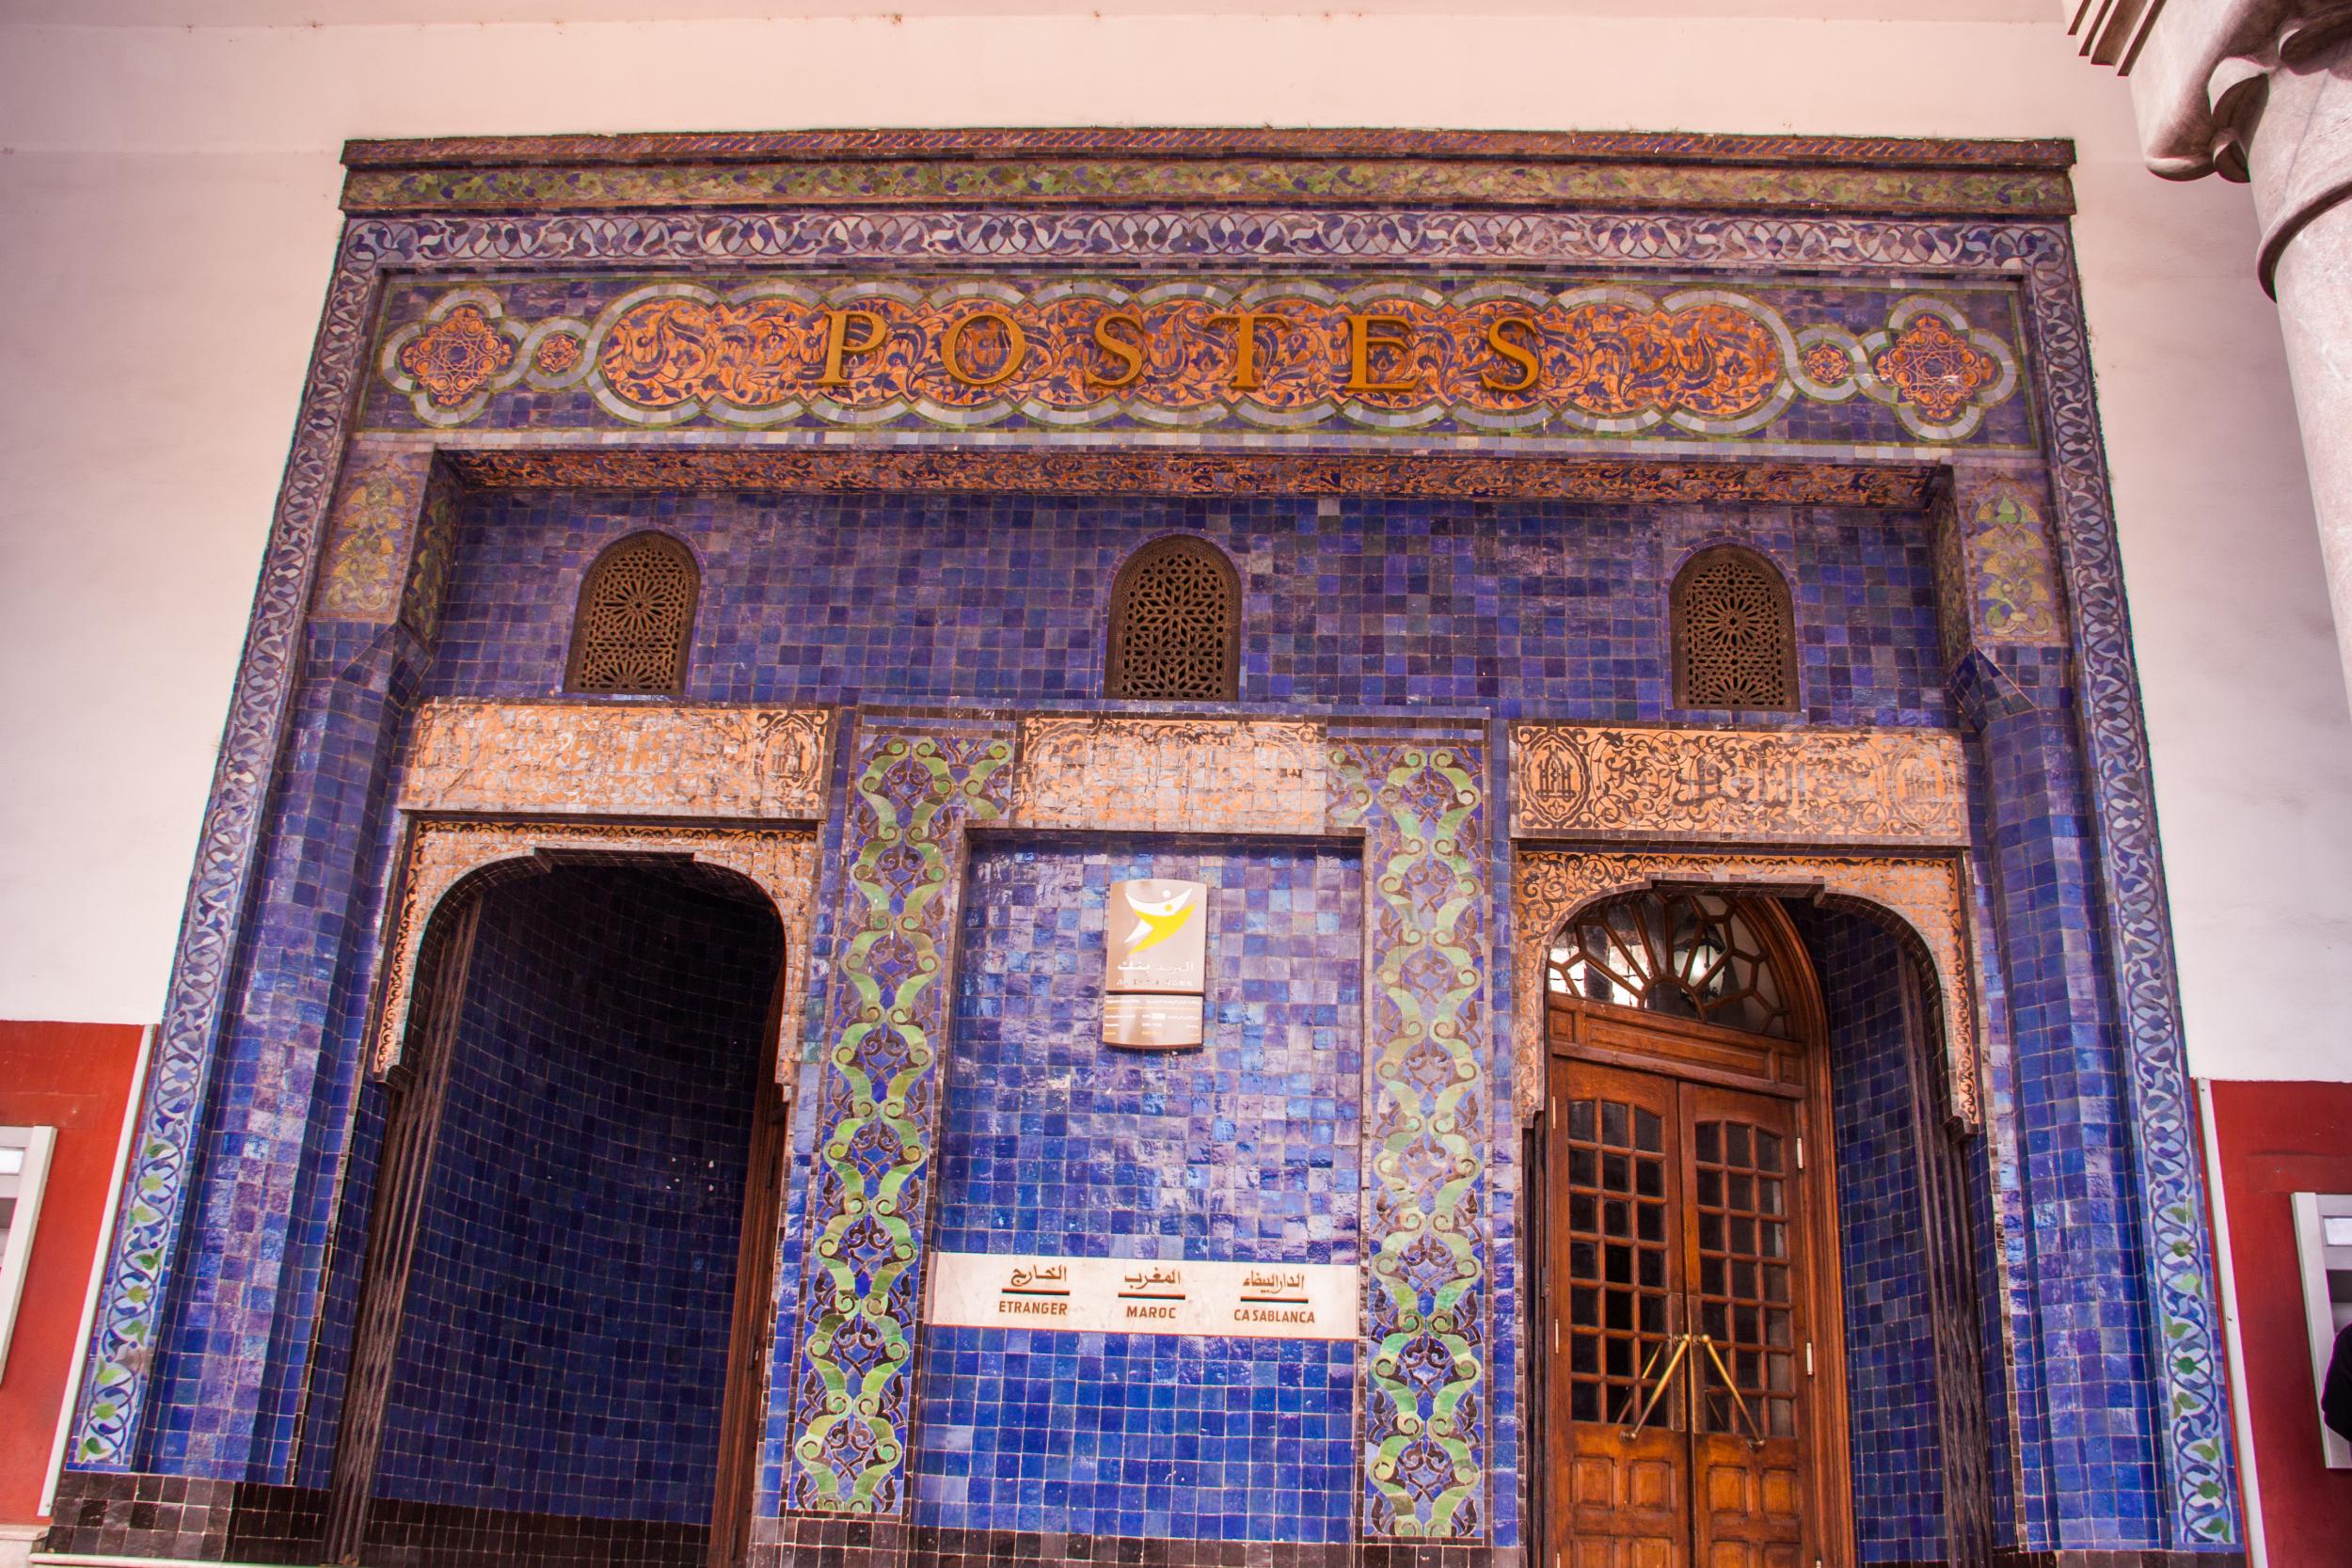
(1429, 1382)
(2004, 536)
(1397, 358)
(1929, 895)
(912, 791)
(1620, 186)
(781, 863)
(148, 1223)
(2202, 1507)
(612, 759)
(2193, 1404)
(381, 496)
(1166, 168)
(1810, 786)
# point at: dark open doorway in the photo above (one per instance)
(561, 1344)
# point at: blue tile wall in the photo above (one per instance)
(1995, 1202)
(1246, 1148)
(272, 1137)
(1546, 609)
(1540, 610)
(2088, 1397)
(1895, 1445)
(564, 1342)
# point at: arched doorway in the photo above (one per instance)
(565, 1288)
(1694, 1392)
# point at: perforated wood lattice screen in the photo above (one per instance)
(1735, 634)
(635, 613)
(1176, 625)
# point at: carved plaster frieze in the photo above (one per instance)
(1873, 787)
(781, 863)
(607, 759)
(1171, 775)
(1927, 893)
(1194, 471)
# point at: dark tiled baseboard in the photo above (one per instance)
(2122, 1557)
(141, 1516)
(211, 1521)
(808, 1540)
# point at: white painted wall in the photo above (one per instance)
(167, 221)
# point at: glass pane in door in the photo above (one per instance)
(1739, 1205)
(1615, 1283)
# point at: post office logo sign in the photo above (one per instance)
(1155, 963)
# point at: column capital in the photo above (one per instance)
(2255, 91)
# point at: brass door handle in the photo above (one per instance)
(1681, 1343)
(1731, 1387)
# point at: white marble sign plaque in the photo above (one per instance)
(1134, 1295)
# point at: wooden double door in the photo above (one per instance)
(1686, 1419)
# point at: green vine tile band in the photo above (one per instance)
(1422, 811)
(913, 795)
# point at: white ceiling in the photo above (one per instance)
(308, 13)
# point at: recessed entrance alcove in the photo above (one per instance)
(1913, 1205)
(1760, 1262)
(561, 1346)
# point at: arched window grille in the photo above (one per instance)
(1688, 955)
(636, 617)
(1175, 629)
(1735, 633)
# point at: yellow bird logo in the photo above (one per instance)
(1165, 919)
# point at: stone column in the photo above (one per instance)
(2260, 91)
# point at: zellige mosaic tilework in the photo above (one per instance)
(2075, 894)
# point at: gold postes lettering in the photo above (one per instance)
(1128, 352)
(951, 348)
(1245, 324)
(1367, 332)
(837, 344)
(1518, 354)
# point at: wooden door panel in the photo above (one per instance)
(1620, 1484)
(1619, 1500)
(1626, 1551)
(1747, 1264)
(1742, 1553)
(1628, 1510)
(1685, 1049)
(1675, 1219)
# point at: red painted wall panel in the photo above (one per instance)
(74, 1077)
(2276, 1138)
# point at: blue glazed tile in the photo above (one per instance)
(1246, 1148)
